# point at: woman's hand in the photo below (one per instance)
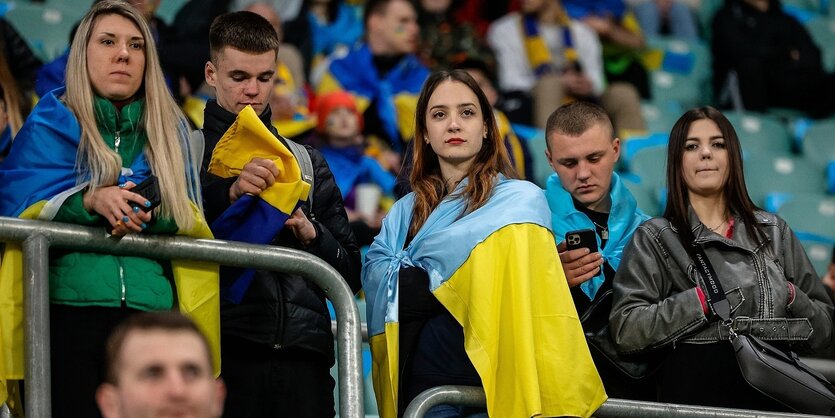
(120, 206)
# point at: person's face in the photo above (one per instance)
(704, 161)
(485, 84)
(396, 28)
(162, 373)
(532, 6)
(455, 125)
(115, 57)
(342, 124)
(435, 6)
(585, 164)
(242, 78)
(146, 7)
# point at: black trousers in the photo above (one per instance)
(77, 339)
(708, 375)
(265, 382)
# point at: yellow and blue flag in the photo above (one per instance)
(504, 285)
(255, 219)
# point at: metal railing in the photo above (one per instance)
(612, 408)
(39, 236)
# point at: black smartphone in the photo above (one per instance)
(149, 189)
(582, 238)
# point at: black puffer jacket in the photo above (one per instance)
(284, 310)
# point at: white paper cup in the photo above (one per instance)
(367, 199)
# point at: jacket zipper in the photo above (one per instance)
(122, 279)
(117, 140)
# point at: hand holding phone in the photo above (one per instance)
(580, 266)
(149, 189)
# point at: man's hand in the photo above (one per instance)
(578, 265)
(119, 206)
(257, 175)
(301, 227)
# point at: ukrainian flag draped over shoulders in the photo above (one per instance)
(37, 177)
(503, 282)
(255, 219)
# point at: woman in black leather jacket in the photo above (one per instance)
(659, 295)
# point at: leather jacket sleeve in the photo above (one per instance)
(335, 242)
(810, 300)
(645, 313)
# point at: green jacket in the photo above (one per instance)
(91, 279)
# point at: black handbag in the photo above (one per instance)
(775, 372)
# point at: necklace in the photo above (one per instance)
(717, 226)
(604, 230)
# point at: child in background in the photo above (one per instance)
(359, 177)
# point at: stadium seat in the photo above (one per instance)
(661, 115)
(819, 252)
(667, 86)
(45, 28)
(168, 9)
(819, 142)
(822, 30)
(768, 173)
(649, 165)
(647, 199)
(760, 132)
(811, 213)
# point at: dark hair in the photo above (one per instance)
(736, 194)
(147, 321)
(244, 31)
(575, 118)
(374, 7)
(426, 180)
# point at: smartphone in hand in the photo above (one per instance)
(149, 189)
(582, 238)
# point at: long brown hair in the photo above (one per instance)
(736, 193)
(17, 108)
(426, 179)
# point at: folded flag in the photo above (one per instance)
(255, 219)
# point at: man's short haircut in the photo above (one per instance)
(373, 7)
(244, 31)
(575, 118)
(147, 321)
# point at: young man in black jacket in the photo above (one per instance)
(277, 345)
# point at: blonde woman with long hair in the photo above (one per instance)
(77, 159)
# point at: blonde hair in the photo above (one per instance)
(163, 121)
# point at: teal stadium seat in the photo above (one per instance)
(819, 142)
(647, 199)
(819, 253)
(822, 30)
(758, 131)
(811, 214)
(169, 8)
(45, 28)
(768, 174)
(649, 165)
(660, 116)
(684, 76)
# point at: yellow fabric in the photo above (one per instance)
(197, 290)
(328, 84)
(405, 105)
(385, 359)
(249, 138)
(193, 108)
(285, 83)
(521, 331)
(517, 154)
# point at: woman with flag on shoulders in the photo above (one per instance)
(76, 160)
(463, 283)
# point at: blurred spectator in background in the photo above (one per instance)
(19, 57)
(383, 73)
(674, 17)
(322, 27)
(361, 179)
(828, 279)
(447, 41)
(287, 9)
(764, 58)
(546, 59)
(14, 107)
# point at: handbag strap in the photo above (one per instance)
(715, 294)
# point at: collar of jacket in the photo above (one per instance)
(217, 119)
(110, 120)
(741, 239)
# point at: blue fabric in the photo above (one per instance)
(624, 218)
(356, 73)
(578, 9)
(5, 141)
(52, 74)
(42, 160)
(351, 167)
(430, 248)
(346, 29)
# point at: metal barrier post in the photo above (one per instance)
(36, 304)
(612, 408)
(286, 260)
